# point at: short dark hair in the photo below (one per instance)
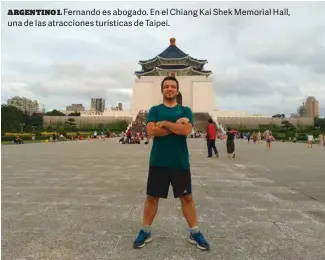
(169, 78)
(229, 129)
(210, 121)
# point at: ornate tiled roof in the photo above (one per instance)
(172, 52)
(143, 72)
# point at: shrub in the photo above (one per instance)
(15, 134)
(279, 135)
(301, 137)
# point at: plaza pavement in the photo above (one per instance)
(84, 200)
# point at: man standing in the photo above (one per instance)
(267, 135)
(310, 140)
(170, 124)
(128, 136)
(230, 143)
(259, 137)
(211, 138)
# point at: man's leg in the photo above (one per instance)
(157, 187)
(209, 145)
(182, 187)
(215, 150)
(150, 210)
(189, 211)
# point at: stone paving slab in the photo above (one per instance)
(84, 200)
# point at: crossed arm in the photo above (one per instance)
(181, 127)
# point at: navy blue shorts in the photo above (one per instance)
(160, 178)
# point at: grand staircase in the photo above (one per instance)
(201, 121)
(139, 123)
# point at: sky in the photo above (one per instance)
(260, 64)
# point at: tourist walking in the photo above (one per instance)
(259, 137)
(267, 138)
(248, 136)
(310, 138)
(211, 138)
(230, 143)
(169, 163)
(254, 136)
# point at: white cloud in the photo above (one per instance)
(262, 64)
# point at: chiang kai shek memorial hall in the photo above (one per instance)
(195, 83)
(195, 87)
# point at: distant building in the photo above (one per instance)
(97, 105)
(24, 104)
(311, 106)
(75, 108)
(294, 115)
(119, 107)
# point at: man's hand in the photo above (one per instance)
(183, 120)
(178, 129)
(160, 124)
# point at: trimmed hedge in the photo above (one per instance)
(25, 137)
(40, 137)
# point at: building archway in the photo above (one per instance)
(179, 99)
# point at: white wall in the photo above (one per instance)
(142, 97)
(235, 114)
(110, 113)
(147, 92)
(203, 97)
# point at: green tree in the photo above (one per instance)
(320, 124)
(15, 120)
(70, 124)
(118, 125)
(54, 113)
(74, 114)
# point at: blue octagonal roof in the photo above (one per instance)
(172, 52)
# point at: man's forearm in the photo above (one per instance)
(178, 129)
(158, 131)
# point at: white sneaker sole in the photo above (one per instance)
(146, 241)
(197, 245)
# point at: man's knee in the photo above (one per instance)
(152, 200)
(186, 199)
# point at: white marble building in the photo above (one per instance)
(196, 90)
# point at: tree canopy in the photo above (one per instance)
(15, 120)
(54, 113)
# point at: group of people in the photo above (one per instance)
(255, 137)
(17, 140)
(212, 134)
(133, 138)
(311, 140)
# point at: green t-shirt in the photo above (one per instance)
(170, 150)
